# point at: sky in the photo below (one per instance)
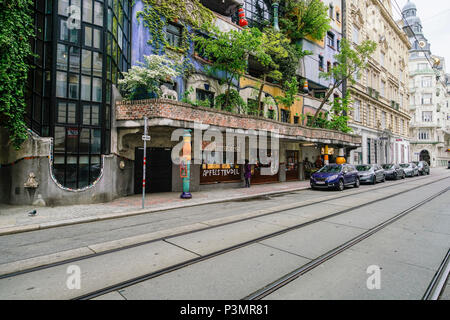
(435, 16)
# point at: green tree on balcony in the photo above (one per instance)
(305, 18)
(228, 53)
(144, 80)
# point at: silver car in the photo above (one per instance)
(410, 169)
(370, 173)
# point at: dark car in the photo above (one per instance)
(424, 167)
(411, 170)
(393, 171)
(335, 176)
(370, 173)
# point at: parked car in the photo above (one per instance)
(411, 170)
(393, 171)
(370, 173)
(336, 176)
(424, 167)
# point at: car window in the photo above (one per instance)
(331, 169)
(362, 168)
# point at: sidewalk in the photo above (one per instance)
(15, 219)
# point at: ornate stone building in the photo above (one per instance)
(380, 95)
(429, 100)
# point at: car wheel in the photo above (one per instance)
(428, 173)
(384, 178)
(357, 183)
(341, 186)
(404, 176)
(374, 180)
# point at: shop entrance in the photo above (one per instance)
(292, 173)
(158, 171)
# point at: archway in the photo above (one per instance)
(425, 156)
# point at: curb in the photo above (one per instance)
(107, 216)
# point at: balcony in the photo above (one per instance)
(168, 113)
(223, 7)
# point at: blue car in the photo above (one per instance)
(336, 176)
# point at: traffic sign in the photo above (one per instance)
(146, 138)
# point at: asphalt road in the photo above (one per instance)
(408, 252)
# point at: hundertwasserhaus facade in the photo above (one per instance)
(85, 141)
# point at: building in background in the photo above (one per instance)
(380, 95)
(429, 99)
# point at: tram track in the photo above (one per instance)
(291, 207)
(287, 278)
(438, 283)
(433, 290)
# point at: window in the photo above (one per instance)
(338, 45)
(253, 107)
(331, 12)
(173, 35)
(355, 35)
(374, 117)
(427, 98)
(320, 63)
(422, 66)
(357, 110)
(426, 82)
(427, 116)
(203, 95)
(383, 85)
(338, 16)
(424, 135)
(285, 115)
(328, 66)
(383, 120)
(330, 39)
(258, 12)
(382, 57)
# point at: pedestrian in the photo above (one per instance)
(247, 173)
(319, 162)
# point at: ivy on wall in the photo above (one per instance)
(189, 14)
(16, 29)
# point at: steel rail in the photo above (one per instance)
(158, 273)
(281, 282)
(437, 284)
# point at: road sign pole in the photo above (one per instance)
(145, 162)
